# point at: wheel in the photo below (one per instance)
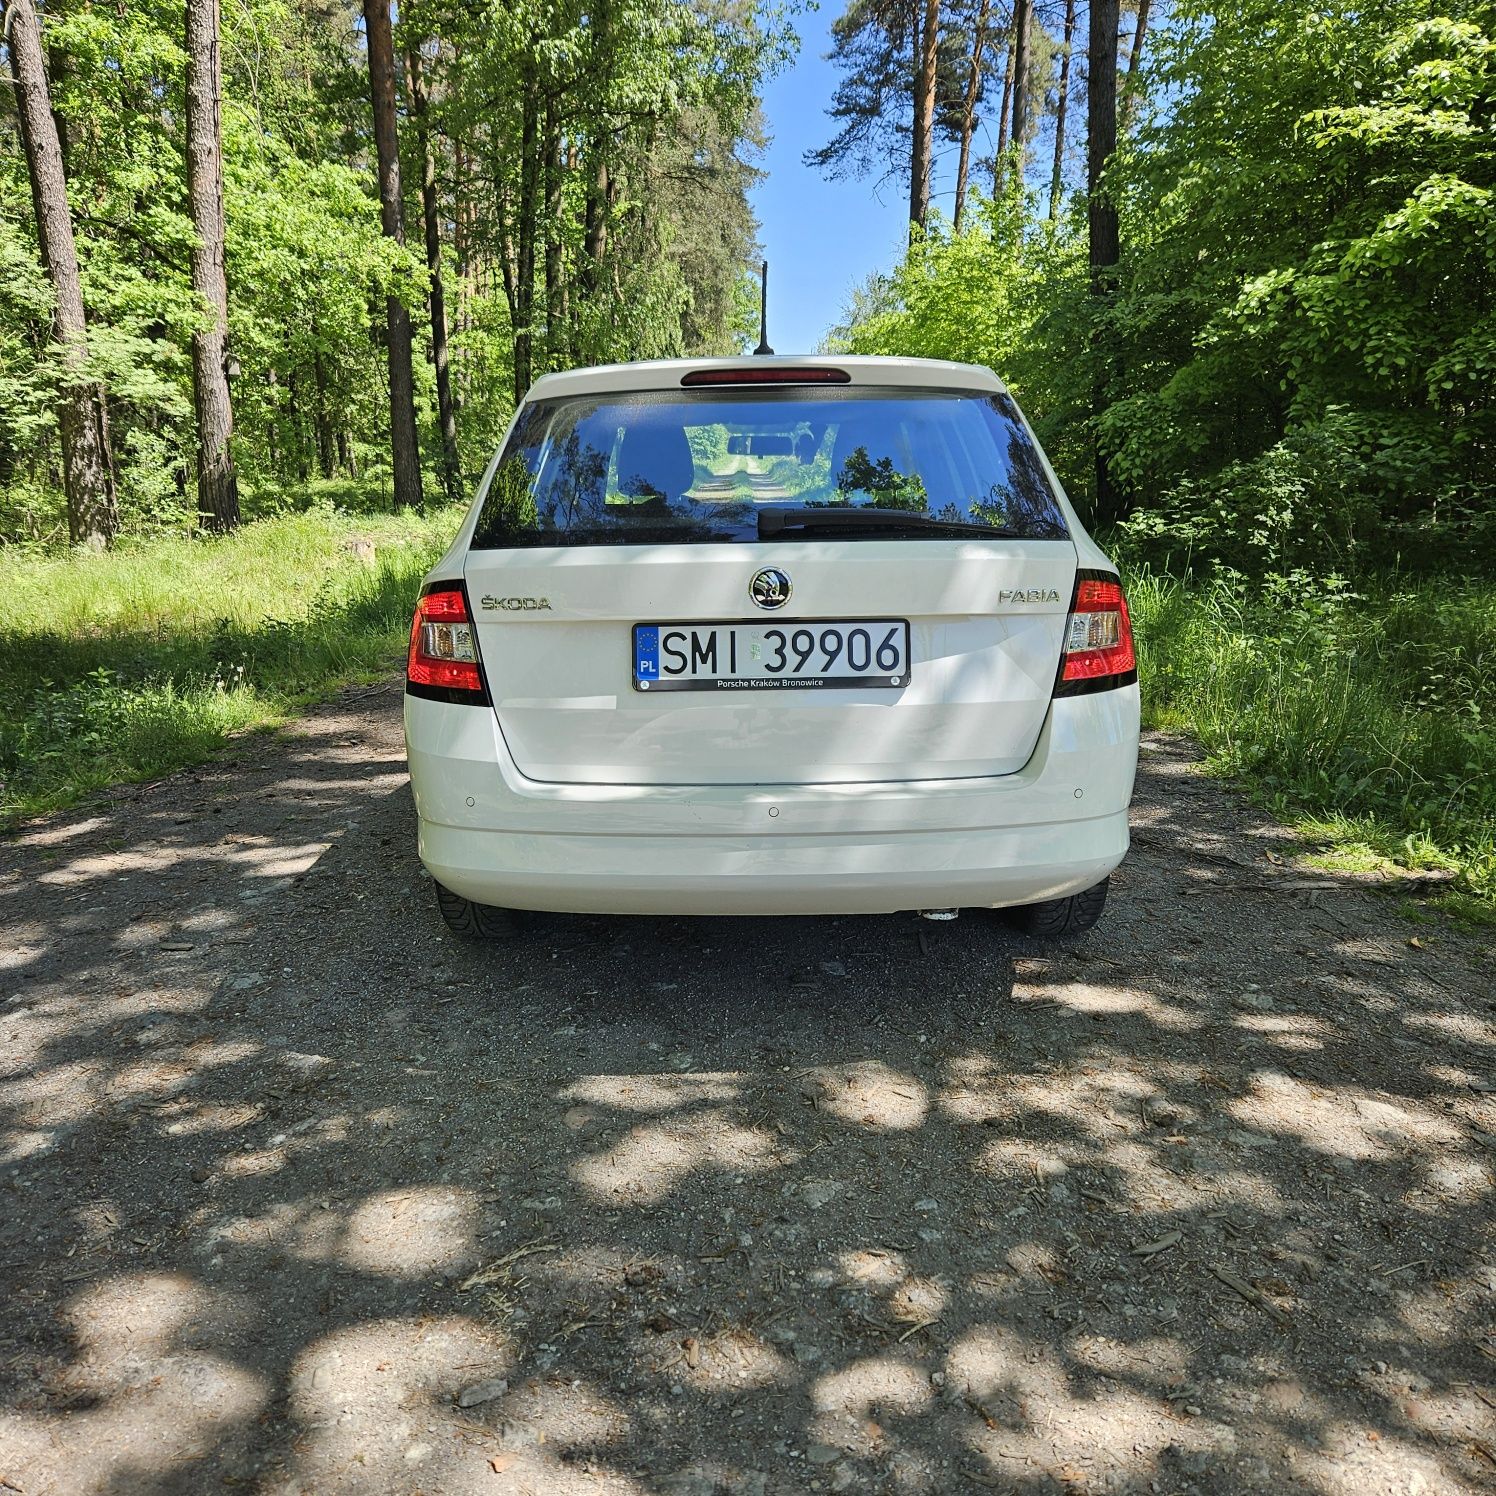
(1064, 919)
(475, 921)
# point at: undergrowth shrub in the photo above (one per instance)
(1372, 708)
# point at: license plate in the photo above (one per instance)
(819, 654)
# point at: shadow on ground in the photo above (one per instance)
(299, 1196)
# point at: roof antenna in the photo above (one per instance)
(763, 315)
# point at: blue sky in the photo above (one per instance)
(821, 238)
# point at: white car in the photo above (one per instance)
(771, 636)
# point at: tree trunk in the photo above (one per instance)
(1139, 33)
(1004, 115)
(83, 412)
(1023, 23)
(555, 323)
(595, 229)
(524, 228)
(1057, 177)
(927, 40)
(217, 482)
(1134, 57)
(404, 446)
(1105, 250)
(436, 300)
(321, 419)
(272, 421)
(969, 107)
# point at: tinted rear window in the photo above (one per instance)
(690, 468)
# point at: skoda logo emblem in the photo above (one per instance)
(770, 588)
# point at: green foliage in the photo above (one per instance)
(1297, 366)
(149, 658)
(1310, 266)
(1369, 711)
(528, 104)
(884, 485)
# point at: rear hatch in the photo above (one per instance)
(770, 585)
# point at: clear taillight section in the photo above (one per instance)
(1098, 638)
(443, 658)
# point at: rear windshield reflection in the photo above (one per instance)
(682, 468)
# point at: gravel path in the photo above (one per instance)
(299, 1196)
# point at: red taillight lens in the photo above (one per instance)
(443, 658)
(1098, 637)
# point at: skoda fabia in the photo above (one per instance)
(771, 636)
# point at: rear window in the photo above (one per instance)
(686, 468)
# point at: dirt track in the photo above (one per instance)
(724, 1206)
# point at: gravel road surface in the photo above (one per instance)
(297, 1195)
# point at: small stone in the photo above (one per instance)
(926, 1206)
(817, 1193)
(1254, 1002)
(1244, 1139)
(823, 1454)
(245, 980)
(199, 1174)
(1191, 1411)
(416, 1453)
(305, 1064)
(834, 968)
(482, 1392)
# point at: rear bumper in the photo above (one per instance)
(1053, 828)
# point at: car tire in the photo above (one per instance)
(475, 921)
(1064, 919)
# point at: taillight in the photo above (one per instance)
(765, 374)
(1098, 652)
(443, 660)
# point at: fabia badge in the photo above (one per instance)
(770, 588)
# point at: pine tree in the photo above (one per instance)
(83, 413)
(217, 480)
(404, 444)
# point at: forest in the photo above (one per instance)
(272, 278)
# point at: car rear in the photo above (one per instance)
(771, 636)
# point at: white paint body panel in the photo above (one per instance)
(562, 679)
(970, 787)
(1055, 827)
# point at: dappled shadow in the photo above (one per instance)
(693, 1206)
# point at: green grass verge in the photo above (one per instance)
(1366, 718)
(129, 665)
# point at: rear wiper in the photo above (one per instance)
(773, 523)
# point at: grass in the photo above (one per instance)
(127, 666)
(1365, 717)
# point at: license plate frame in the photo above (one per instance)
(894, 679)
